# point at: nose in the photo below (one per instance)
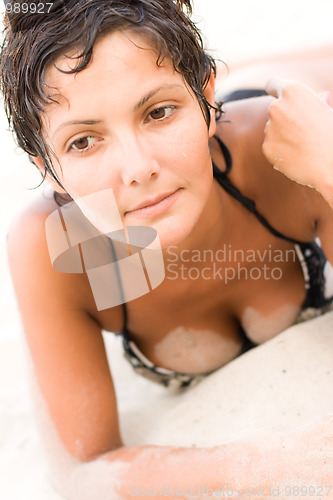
(139, 163)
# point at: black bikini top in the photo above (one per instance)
(312, 260)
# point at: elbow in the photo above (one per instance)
(88, 474)
(85, 451)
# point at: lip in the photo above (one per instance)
(155, 205)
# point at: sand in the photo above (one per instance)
(275, 387)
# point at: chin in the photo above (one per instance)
(174, 228)
(174, 231)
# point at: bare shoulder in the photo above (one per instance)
(34, 211)
(27, 248)
(32, 270)
(26, 240)
(242, 127)
(29, 223)
(245, 113)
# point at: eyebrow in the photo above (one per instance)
(139, 105)
(76, 122)
(151, 94)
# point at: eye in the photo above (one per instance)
(160, 114)
(83, 143)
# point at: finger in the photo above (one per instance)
(274, 87)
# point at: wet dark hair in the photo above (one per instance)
(33, 41)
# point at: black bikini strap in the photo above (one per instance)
(221, 176)
(237, 95)
(121, 290)
(225, 182)
(226, 155)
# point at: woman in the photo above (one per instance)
(118, 95)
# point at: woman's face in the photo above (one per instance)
(130, 125)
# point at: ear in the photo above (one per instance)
(37, 160)
(209, 93)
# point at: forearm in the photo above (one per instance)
(195, 473)
(302, 457)
(189, 471)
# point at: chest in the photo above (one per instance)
(195, 320)
(193, 323)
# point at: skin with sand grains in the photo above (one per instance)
(146, 132)
(300, 129)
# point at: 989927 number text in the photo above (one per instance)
(28, 8)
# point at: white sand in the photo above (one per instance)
(276, 386)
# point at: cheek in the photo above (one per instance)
(198, 161)
(187, 150)
(81, 178)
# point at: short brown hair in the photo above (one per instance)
(33, 41)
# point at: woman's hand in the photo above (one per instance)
(299, 135)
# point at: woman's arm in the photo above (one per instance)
(88, 456)
(298, 135)
(76, 396)
(64, 340)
